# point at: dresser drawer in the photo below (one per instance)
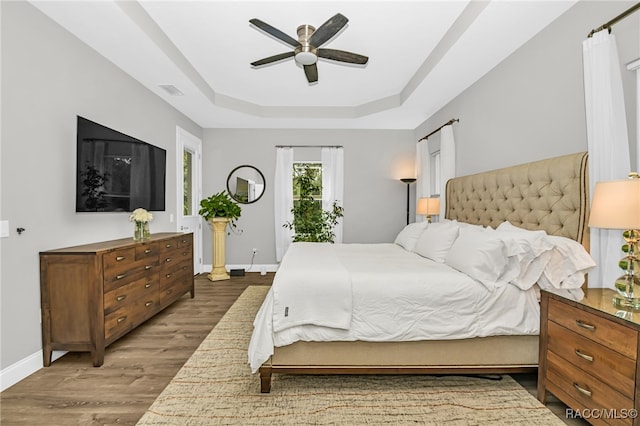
(173, 291)
(135, 270)
(118, 260)
(143, 288)
(176, 272)
(564, 377)
(122, 320)
(612, 368)
(147, 251)
(598, 329)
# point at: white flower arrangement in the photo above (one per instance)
(140, 215)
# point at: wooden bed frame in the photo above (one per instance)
(551, 195)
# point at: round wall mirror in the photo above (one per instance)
(245, 184)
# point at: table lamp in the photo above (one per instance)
(429, 207)
(616, 205)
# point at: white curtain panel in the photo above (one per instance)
(423, 174)
(447, 163)
(283, 189)
(333, 183)
(608, 143)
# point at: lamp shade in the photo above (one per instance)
(428, 206)
(616, 205)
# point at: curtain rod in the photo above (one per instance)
(309, 146)
(615, 20)
(453, 120)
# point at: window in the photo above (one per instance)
(307, 174)
(435, 173)
(187, 204)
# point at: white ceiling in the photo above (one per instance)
(421, 55)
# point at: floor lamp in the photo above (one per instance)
(408, 181)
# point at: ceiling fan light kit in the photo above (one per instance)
(306, 49)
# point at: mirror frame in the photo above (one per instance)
(264, 187)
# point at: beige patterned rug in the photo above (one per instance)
(215, 386)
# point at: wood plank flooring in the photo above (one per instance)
(137, 367)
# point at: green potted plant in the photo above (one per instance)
(310, 222)
(220, 210)
(220, 205)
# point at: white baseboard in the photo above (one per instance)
(246, 267)
(25, 367)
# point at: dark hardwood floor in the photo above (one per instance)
(137, 367)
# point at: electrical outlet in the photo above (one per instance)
(254, 251)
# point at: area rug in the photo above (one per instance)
(215, 386)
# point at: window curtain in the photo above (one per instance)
(423, 174)
(283, 189)
(333, 183)
(608, 143)
(447, 163)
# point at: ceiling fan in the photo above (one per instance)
(307, 48)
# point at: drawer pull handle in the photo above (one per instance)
(121, 298)
(121, 276)
(585, 325)
(584, 356)
(168, 259)
(147, 251)
(582, 390)
(169, 245)
(168, 275)
(147, 285)
(119, 258)
(148, 304)
(124, 318)
(170, 291)
(148, 267)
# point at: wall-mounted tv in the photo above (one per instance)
(116, 172)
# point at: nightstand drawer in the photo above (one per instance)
(564, 377)
(598, 329)
(609, 366)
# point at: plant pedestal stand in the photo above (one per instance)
(219, 272)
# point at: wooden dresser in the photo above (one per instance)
(93, 294)
(589, 357)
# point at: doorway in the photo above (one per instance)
(189, 184)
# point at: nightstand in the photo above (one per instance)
(589, 356)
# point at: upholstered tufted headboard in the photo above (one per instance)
(552, 195)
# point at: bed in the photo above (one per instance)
(549, 195)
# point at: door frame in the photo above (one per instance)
(184, 139)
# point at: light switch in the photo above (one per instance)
(4, 228)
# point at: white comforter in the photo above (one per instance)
(396, 295)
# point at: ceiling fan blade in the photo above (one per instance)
(311, 71)
(342, 56)
(275, 32)
(274, 58)
(328, 30)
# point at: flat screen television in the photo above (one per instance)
(116, 172)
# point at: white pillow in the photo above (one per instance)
(464, 225)
(567, 266)
(534, 252)
(408, 237)
(481, 255)
(436, 240)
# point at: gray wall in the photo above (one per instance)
(374, 198)
(531, 106)
(49, 77)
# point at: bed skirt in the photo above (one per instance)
(482, 355)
